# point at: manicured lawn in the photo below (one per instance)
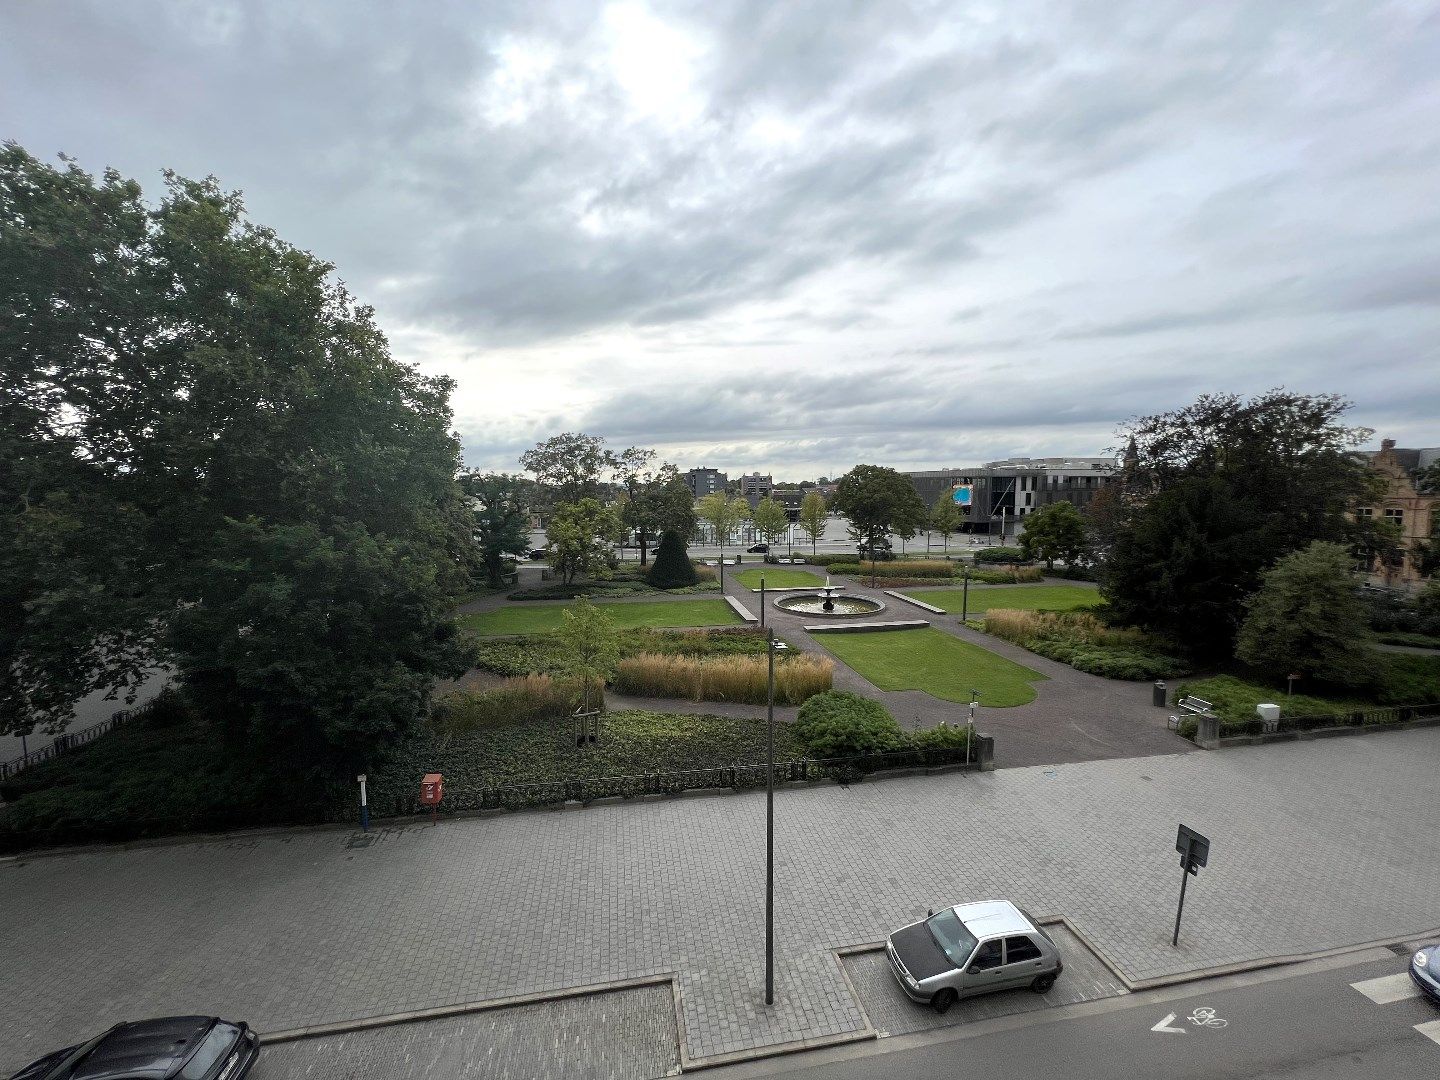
(535, 618)
(1022, 597)
(931, 660)
(776, 578)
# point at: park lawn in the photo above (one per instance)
(536, 618)
(1020, 597)
(775, 578)
(931, 660)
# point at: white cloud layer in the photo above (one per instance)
(798, 236)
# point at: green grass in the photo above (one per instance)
(931, 660)
(535, 617)
(777, 578)
(1021, 597)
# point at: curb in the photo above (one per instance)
(369, 1023)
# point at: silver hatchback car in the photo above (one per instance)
(972, 949)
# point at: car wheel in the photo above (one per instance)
(942, 1001)
(1042, 983)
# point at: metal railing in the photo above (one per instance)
(588, 789)
(67, 741)
(1356, 718)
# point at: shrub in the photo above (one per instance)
(522, 700)
(558, 591)
(1075, 573)
(1001, 555)
(672, 568)
(1008, 576)
(949, 737)
(1408, 680)
(830, 559)
(918, 568)
(1080, 639)
(838, 723)
(725, 678)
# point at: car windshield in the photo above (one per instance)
(216, 1045)
(950, 934)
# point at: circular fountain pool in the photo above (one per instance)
(843, 606)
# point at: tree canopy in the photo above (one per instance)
(878, 501)
(500, 518)
(569, 467)
(722, 512)
(581, 537)
(1057, 531)
(1217, 492)
(945, 516)
(813, 515)
(209, 460)
(770, 519)
(1307, 618)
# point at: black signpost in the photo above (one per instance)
(1194, 852)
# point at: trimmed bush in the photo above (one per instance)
(1001, 555)
(728, 678)
(950, 737)
(838, 723)
(672, 568)
(917, 568)
(1017, 575)
(1408, 680)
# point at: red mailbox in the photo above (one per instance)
(432, 789)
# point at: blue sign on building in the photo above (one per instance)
(961, 495)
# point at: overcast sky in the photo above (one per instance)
(797, 236)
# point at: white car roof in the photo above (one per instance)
(988, 917)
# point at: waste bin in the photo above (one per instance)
(1159, 692)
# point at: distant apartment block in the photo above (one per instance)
(703, 481)
(756, 485)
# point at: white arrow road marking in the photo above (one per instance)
(1430, 1030)
(1164, 1025)
(1388, 988)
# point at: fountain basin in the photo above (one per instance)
(844, 607)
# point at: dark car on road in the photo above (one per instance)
(538, 553)
(172, 1048)
(972, 949)
(1425, 970)
(759, 549)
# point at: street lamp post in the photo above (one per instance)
(762, 603)
(965, 600)
(770, 820)
(970, 728)
(364, 807)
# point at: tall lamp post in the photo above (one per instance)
(970, 727)
(770, 818)
(965, 600)
(762, 607)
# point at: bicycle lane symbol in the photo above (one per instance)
(1203, 1016)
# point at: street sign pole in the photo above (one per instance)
(1184, 880)
(1194, 852)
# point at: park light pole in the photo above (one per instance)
(970, 726)
(965, 599)
(762, 602)
(770, 818)
(364, 807)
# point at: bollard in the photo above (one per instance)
(1159, 694)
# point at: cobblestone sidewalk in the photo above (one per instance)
(1315, 845)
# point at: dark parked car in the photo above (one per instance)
(538, 553)
(759, 549)
(1425, 970)
(172, 1048)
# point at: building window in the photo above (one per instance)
(1365, 513)
(1394, 514)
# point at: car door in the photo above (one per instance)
(986, 969)
(1024, 960)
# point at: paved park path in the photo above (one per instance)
(1315, 845)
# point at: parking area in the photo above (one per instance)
(622, 1035)
(1086, 978)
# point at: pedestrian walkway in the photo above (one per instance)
(1315, 845)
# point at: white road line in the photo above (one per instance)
(1388, 988)
(1430, 1030)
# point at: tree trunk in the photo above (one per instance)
(642, 538)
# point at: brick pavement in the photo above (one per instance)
(1315, 845)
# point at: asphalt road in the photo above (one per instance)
(1310, 1026)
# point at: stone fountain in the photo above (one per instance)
(830, 601)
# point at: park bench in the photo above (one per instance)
(1192, 705)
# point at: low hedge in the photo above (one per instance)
(1019, 575)
(542, 653)
(1001, 555)
(933, 568)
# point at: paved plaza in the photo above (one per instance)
(1315, 845)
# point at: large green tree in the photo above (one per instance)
(813, 515)
(723, 512)
(581, 537)
(569, 467)
(1214, 494)
(945, 517)
(1306, 617)
(500, 518)
(770, 519)
(656, 499)
(211, 461)
(1057, 531)
(878, 501)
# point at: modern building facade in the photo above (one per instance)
(1415, 512)
(1001, 494)
(703, 481)
(756, 485)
